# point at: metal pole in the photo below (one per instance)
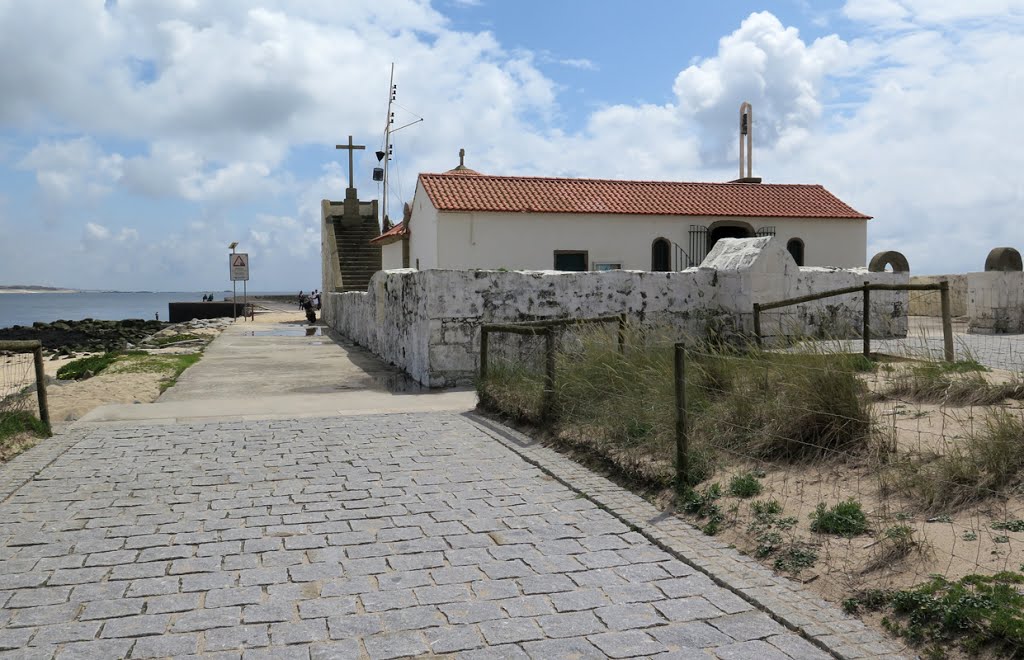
(947, 321)
(483, 354)
(234, 291)
(867, 320)
(757, 323)
(622, 334)
(549, 374)
(245, 298)
(44, 406)
(682, 439)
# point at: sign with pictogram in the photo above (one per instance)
(239, 266)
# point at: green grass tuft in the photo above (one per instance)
(745, 485)
(844, 519)
(83, 367)
(978, 613)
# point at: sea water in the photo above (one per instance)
(26, 308)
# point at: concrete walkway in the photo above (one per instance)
(261, 371)
(362, 536)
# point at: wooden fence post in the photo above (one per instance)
(622, 334)
(549, 374)
(483, 353)
(757, 323)
(867, 320)
(682, 438)
(947, 321)
(44, 406)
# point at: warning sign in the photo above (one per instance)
(239, 266)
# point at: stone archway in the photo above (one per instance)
(728, 229)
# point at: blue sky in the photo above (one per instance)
(162, 130)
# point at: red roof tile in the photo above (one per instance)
(391, 235)
(452, 192)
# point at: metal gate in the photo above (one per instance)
(698, 244)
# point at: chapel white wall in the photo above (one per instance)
(423, 230)
(527, 241)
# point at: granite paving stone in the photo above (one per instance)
(378, 536)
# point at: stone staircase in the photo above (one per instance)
(359, 259)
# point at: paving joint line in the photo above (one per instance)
(488, 425)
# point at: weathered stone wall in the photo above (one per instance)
(427, 322)
(928, 303)
(995, 302)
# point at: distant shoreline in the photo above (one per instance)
(39, 290)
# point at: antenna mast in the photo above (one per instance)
(387, 142)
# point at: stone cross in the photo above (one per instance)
(351, 149)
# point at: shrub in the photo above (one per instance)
(980, 613)
(844, 519)
(744, 485)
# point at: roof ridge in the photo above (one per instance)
(624, 181)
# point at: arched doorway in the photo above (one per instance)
(728, 230)
(661, 255)
(795, 247)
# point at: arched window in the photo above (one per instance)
(661, 255)
(795, 246)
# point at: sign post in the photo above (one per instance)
(238, 264)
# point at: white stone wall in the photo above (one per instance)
(928, 303)
(427, 322)
(995, 302)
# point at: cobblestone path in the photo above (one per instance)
(352, 537)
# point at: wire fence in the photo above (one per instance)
(858, 475)
(22, 386)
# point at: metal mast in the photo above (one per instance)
(387, 143)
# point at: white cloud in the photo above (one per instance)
(205, 105)
(74, 169)
(579, 63)
(767, 64)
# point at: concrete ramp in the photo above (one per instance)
(263, 371)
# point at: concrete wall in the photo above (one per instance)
(527, 241)
(995, 302)
(928, 303)
(427, 322)
(330, 265)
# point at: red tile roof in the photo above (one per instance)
(391, 235)
(452, 192)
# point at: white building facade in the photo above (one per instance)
(465, 220)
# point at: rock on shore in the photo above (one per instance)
(87, 335)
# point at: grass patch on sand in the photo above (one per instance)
(174, 339)
(953, 384)
(127, 362)
(170, 365)
(87, 367)
(978, 613)
(621, 406)
(19, 430)
(985, 463)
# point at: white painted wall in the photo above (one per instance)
(424, 232)
(525, 241)
(391, 256)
